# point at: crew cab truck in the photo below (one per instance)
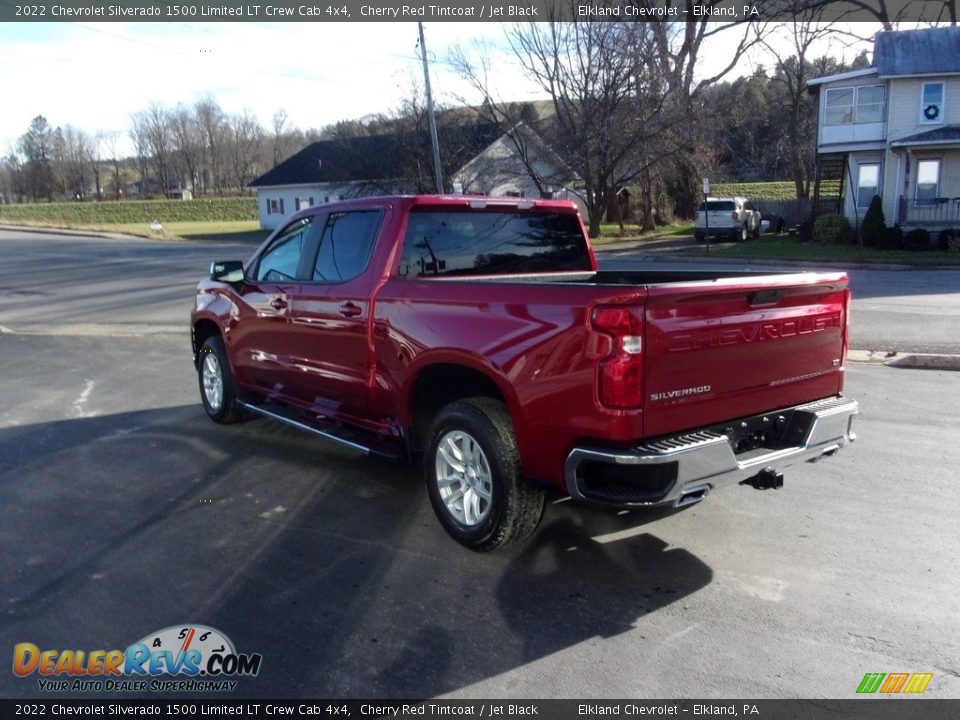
(477, 338)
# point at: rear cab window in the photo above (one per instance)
(464, 242)
(718, 206)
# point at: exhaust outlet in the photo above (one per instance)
(766, 480)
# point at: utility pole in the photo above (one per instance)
(437, 171)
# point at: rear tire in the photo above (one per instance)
(474, 479)
(218, 390)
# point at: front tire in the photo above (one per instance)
(218, 390)
(474, 479)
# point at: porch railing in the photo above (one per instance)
(941, 211)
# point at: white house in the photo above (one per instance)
(521, 164)
(893, 129)
(331, 170)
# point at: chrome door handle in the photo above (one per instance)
(278, 303)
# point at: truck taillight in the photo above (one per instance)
(620, 374)
(847, 298)
(735, 215)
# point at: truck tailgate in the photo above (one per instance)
(730, 348)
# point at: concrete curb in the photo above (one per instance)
(912, 361)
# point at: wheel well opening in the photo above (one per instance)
(440, 385)
(203, 330)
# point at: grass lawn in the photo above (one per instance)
(610, 233)
(786, 247)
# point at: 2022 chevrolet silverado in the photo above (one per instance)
(477, 336)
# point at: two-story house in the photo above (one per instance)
(893, 130)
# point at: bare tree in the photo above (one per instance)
(590, 82)
(95, 158)
(12, 181)
(246, 137)
(187, 143)
(110, 139)
(141, 146)
(214, 132)
(888, 13)
(153, 132)
(678, 48)
(792, 50)
(279, 131)
(512, 118)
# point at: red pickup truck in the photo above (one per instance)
(477, 337)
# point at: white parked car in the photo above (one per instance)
(735, 218)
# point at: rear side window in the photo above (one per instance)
(346, 244)
(463, 242)
(718, 206)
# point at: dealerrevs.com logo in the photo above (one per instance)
(180, 658)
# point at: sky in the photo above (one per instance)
(94, 76)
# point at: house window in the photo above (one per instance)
(928, 181)
(931, 104)
(275, 206)
(839, 107)
(868, 183)
(846, 106)
(871, 103)
(303, 203)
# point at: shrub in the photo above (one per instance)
(805, 230)
(830, 229)
(851, 237)
(892, 238)
(949, 240)
(917, 240)
(874, 224)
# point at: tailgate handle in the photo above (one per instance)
(766, 297)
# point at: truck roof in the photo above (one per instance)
(456, 201)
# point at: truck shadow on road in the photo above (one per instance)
(329, 564)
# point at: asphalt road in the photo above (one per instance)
(123, 510)
(77, 284)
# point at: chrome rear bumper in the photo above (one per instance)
(680, 470)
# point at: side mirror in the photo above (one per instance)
(226, 271)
